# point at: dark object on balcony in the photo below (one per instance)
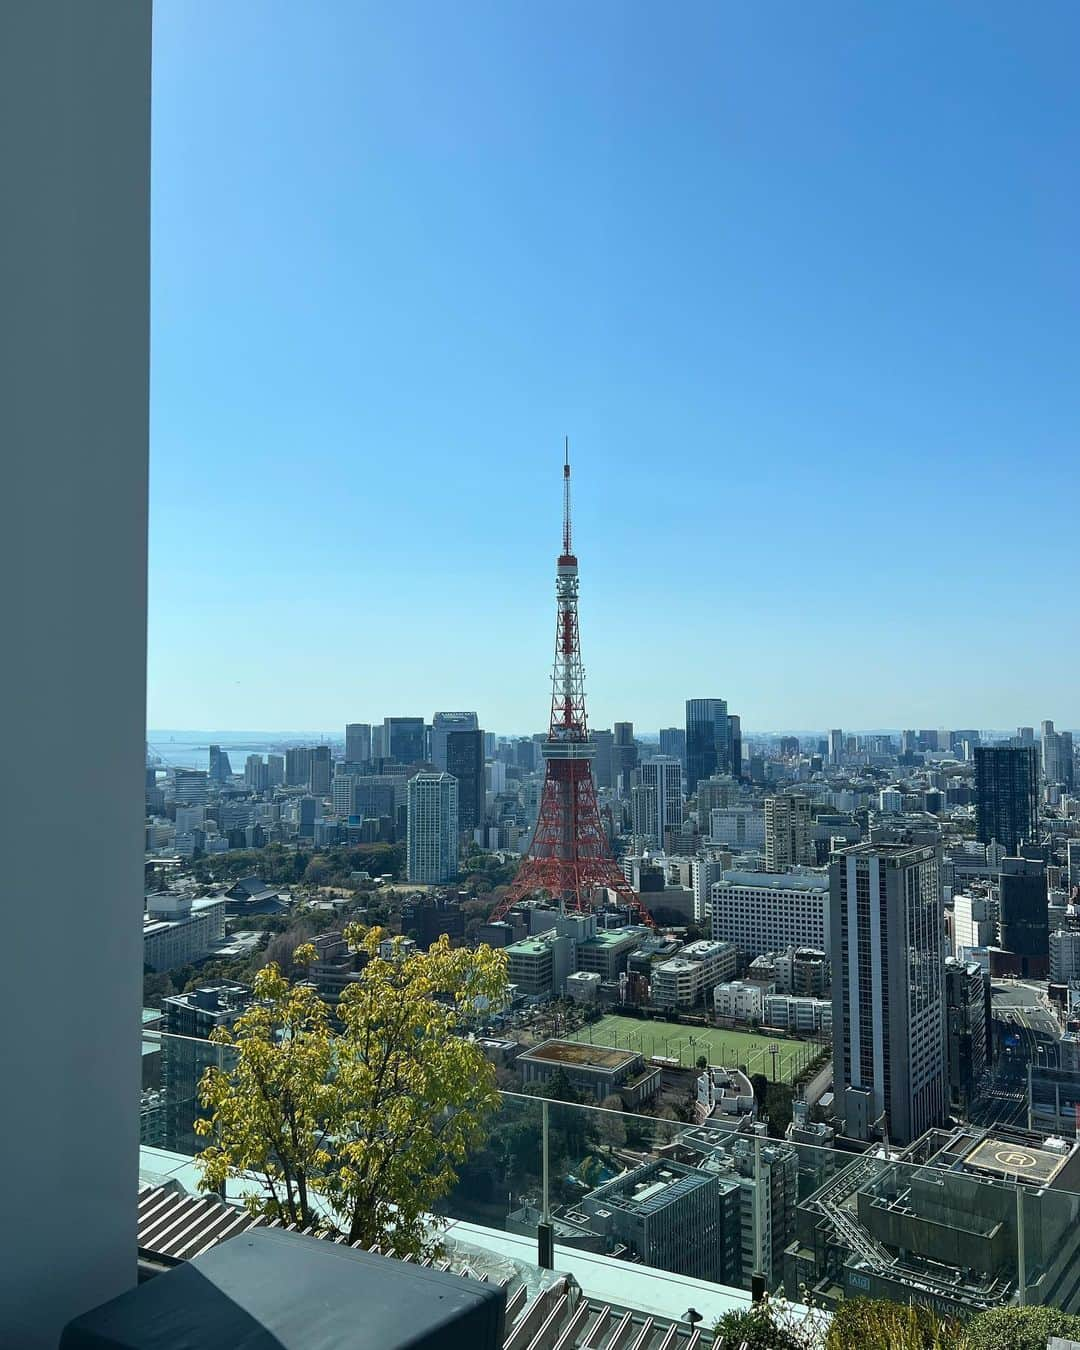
(271, 1290)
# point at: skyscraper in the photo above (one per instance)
(603, 761)
(708, 740)
(1006, 795)
(432, 831)
(673, 742)
(836, 745)
(735, 744)
(664, 775)
(358, 743)
(966, 1000)
(320, 771)
(788, 841)
(888, 957)
(1023, 916)
(404, 739)
(256, 773)
(298, 766)
(1057, 756)
(441, 726)
(624, 755)
(464, 754)
(220, 768)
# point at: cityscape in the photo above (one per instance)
(815, 998)
(542, 795)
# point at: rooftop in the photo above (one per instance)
(581, 1055)
(777, 881)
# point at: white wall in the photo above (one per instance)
(74, 347)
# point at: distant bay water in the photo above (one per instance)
(191, 749)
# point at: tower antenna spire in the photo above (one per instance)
(567, 546)
(569, 857)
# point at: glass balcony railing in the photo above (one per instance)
(978, 1218)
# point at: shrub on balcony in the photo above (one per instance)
(880, 1324)
(1020, 1328)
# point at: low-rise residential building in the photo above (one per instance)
(741, 1000)
(686, 979)
(794, 1012)
(598, 1070)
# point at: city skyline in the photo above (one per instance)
(811, 333)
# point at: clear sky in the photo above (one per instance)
(800, 281)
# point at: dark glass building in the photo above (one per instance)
(708, 740)
(405, 740)
(465, 760)
(1025, 925)
(1006, 795)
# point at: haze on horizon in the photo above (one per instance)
(800, 283)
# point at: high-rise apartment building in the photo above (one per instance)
(358, 743)
(298, 766)
(275, 770)
(463, 751)
(708, 740)
(441, 725)
(888, 962)
(343, 794)
(256, 773)
(432, 830)
(788, 837)
(1057, 756)
(1006, 795)
(405, 740)
(320, 770)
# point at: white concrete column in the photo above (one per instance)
(74, 379)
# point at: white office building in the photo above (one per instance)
(738, 827)
(432, 833)
(767, 912)
(1065, 957)
(659, 806)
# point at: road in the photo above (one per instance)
(1026, 1032)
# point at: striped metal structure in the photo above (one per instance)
(175, 1226)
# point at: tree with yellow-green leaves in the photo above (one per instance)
(356, 1129)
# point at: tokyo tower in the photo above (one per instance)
(569, 856)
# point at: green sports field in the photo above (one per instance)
(729, 1048)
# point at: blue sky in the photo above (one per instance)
(801, 283)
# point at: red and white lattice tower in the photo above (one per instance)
(569, 856)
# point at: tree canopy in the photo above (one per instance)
(357, 1131)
